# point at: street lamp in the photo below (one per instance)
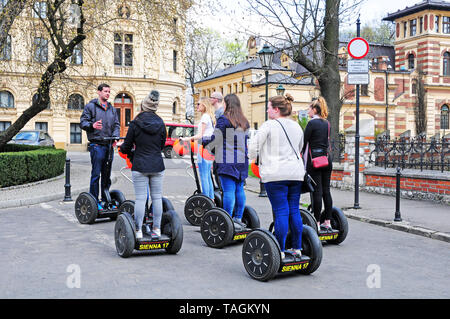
(266, 58)
(280, 90)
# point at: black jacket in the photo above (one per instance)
(94, 112)
(148, 133)
(316, 135)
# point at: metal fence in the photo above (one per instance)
(416, 153)
(338, 148)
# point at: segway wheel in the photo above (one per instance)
(311, 247)
(261, 255)
(117, 199)
(217, 228)
(339, 222)
(166, 204)
(124, 236)
(218, 199)
(308, 219)
(127, 207)
(171, 227)
(195, 208)
(250, 218)
(86, 209)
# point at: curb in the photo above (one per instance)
(46, 198)
(401, 226)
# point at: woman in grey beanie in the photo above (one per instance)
(148, 133)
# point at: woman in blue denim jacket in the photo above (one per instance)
(231, 155)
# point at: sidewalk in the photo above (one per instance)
(423, 218)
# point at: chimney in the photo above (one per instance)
(382, 62)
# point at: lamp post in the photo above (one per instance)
(266, 57)
(280, 90)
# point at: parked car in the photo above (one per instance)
(33, 137)
(175, 131)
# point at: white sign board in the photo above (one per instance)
(358, 66)
(358, 78)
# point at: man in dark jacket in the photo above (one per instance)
(99, 120)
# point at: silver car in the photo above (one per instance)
(33, 137)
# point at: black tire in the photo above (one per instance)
(261, 255)
(308, 219)
(218, 199)
(168, 152)
(311, 247)
(124, 236)
(339, 222)
(127, 207)
(86, 209)
(196, 207)
(117, 199)
(166, 204)
(217, 228)
(171, 226)
(250, 218)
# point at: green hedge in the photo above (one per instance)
(20, 164)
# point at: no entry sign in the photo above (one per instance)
(358, 48)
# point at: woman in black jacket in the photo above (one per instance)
(317, 143)
(147, 132)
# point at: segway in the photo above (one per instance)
(86, 208)
(171, 238)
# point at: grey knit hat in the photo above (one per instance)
(151, 102)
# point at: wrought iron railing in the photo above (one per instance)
(338, 148)
(415, 153)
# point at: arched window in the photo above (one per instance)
(446, 64)
(76, 102)
(174, 107)
(36, 97)
(444, 117)
(411, 61)
(6, 99)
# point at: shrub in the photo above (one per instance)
(21, 164)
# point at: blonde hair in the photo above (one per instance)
(283, 103)
(321, 107)
(209, 108)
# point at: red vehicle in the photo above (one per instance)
(175, 131)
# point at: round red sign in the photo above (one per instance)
(358, 48)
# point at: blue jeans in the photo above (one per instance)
(233, 196)
(204, 168)
(99, 154)
(284, 197)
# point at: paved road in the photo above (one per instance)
(46, 253)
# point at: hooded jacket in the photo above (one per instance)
(147, 132)
(94, 112)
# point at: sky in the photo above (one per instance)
(232, 21)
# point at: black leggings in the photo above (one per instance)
(322, 178)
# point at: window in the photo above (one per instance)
(35, 99)
(446, 25)
(124, 11)
(414, 87)
(446, 64)
(420, 24)
(436, 24)
(75, 133)
(40, 50)
(364, 90)
(411, 61)
(4, 125)
(444, 117)
(405, 24)
(77, 55)
(40, 9)
(76, 102)
(5, 53)
(123, 49)
(175, 58)
(174, 108)
(175, 25)
(41, 126)
(6, 99)
(412, 27)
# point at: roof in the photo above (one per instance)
(246, 65)
(280, 78)
(421, 6)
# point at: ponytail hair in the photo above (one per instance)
(283, 103)
(320, 105)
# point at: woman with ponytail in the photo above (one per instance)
(278, 144)
(316, 144)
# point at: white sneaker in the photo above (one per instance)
(139, 234)
(282, 255)
(157, 231)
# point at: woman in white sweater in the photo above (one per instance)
(278, 144)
